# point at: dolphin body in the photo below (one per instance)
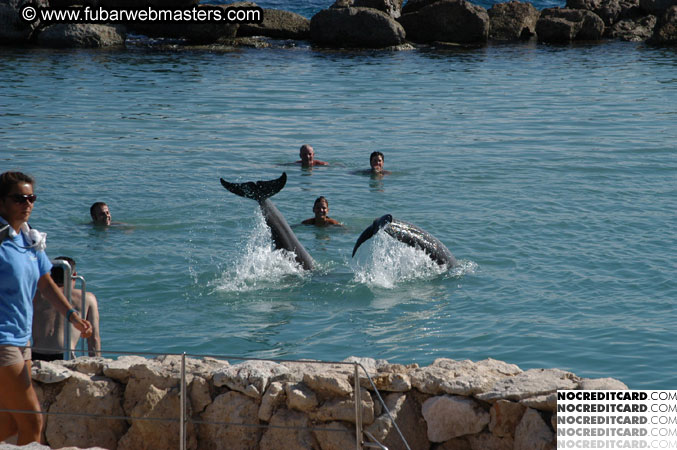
(283, 236)
(411, 235)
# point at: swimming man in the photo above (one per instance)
(307, 155)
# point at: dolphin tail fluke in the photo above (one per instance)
(258, 191)
(372, 230)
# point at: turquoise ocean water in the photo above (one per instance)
(550, 173)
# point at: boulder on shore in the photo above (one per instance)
(456, 21)
(355, 27)
(414, 5)
(129, 4)
(512, 21)
(81, 35)
(633, 30)
(391, 7)
(12, 28)
(194, 33)
(610, 11)
(559, 25)
(665, 32)
(277, 24)
(656, 7)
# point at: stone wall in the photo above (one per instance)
(265, 405)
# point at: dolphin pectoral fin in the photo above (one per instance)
(258, 191)
(372, 230)
(366, 235)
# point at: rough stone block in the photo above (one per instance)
(453, 416)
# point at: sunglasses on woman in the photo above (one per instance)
(23, 198)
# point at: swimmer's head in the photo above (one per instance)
(100, 213)
(307, 154)
(321, 207)
(376, 160)
(58, 272)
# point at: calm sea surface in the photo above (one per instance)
(550, 173)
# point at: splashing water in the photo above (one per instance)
(261, 266)
(391, 262)
(463, 267)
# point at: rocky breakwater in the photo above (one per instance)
(13, 30)
(368, 24)
(374, 23)
(134, 403)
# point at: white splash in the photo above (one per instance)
(463, 267)
(260, 265)
(389, 262)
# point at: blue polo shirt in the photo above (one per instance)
(20, 269)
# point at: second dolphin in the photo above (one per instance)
(411, 235)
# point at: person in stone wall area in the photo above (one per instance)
(48, 325)
(307, 155)
(100, 214)
(321, 210)
(24, 269)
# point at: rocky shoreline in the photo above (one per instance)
(304, 405)
(369, 24)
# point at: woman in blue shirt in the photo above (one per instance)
(24, 267)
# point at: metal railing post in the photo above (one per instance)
(83, 312)
(358, 411)
(182, 399)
